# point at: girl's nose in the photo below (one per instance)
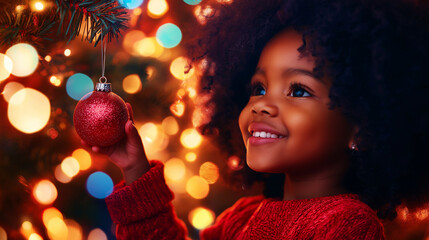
(265, 106)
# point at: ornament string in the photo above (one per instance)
(103, 58)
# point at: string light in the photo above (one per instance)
(55, 81)
(45, 192)
(39, 6)
(67, 52)
(157, 8)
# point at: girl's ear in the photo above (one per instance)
(353, 141)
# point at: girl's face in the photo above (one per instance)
(286, 125)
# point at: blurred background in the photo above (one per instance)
(51, 187)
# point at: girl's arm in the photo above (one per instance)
(141, 204)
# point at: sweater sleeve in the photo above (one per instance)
(143, 209)
(352, 223)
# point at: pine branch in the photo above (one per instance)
(93, 19)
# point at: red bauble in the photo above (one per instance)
(100, 116)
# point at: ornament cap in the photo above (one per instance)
(103, 87)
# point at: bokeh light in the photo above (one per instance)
(10, 89)
(55, 81)
(169, 35)
(132, 84)
(6, 66)
(191, 157)
(29, 110)
(61, 176)
(34, 236)
(78, 85)
(39, 6)
(192, 2)
(422, 214)
(201, 217)
(197, 187)
(130, 4)
(67, 52)
(210, 172)
(26, 229)
(130, 41)
(49, 214)
(178, 68)
(45, 192)
(170, 125)
(99, 185)
(83, 157)
(175, 169)
(70, 166)
(190, 138)
(148, 47)
(97, 234)
(203, 13)
(234, 163)
(178, 108)
(74, 230)
(48, 58)
(57, 228)
(153, 137)
(157, 8)
(3, 234)
(25, 59)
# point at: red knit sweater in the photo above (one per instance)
(143, 210)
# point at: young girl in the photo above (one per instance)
(331, 99)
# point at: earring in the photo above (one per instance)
(354, 147)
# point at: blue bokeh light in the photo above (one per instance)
(78, 85)
(130, 4)
(99, 185)
(192, 2)
(169, 35)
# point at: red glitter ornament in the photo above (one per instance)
(100, 116)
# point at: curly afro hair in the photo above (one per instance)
(376, 53)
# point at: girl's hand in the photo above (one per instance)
(128, 154)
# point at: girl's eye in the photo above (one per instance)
(298, 90)
(257, 89)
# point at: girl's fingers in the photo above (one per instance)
(133, 136)
(130, 111)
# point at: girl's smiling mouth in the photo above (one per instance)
(262, 133)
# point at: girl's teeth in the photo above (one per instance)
(266, 135)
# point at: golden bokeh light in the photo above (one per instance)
(48, 58)
(34, 236)
(74, 230)
(132, 84)
(10, 89)
(6, 66)
(197, 187)
(191, 157)
(97, 234)
(234, 163)
(3, 234)
(61, 176)
(70, 166)
(175, 169)
(179, 68)
(422, 214)
(45, 192)
(190, 138)
(181, 93)
(25, 59)
(192, 93)
(157, 8)
(178, 108)
(153, 137)
(130, 39)
(201, 217)
(67, 52)
(55, 81)
(148, 47)
(29, 110)
(39, 6)
(170, 125)
(49, 214)
(57, 228)
(210, 172)
(203, 13)
(26, 229)
(83, 157)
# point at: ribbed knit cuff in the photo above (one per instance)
(143, 198)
